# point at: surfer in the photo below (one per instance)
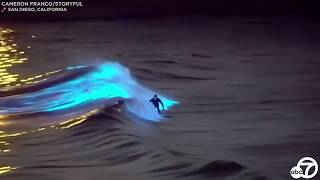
(119, 105)
(155, 101)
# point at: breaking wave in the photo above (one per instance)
(82, 88)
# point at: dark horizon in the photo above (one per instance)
(145, 9)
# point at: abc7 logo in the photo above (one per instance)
(297, 172)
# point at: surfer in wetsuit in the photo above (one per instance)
(119, 105)
(155, 101)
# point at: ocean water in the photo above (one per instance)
(242, 95)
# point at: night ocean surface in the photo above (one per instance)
(242, 95)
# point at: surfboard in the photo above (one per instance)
(167, 116)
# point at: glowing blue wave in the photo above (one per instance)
(103, 85)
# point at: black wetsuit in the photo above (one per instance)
(155, 102)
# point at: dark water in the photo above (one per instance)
(248, 90)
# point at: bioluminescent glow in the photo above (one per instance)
(102, 85)
(75, 67)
